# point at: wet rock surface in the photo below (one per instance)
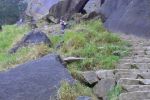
(35, 80)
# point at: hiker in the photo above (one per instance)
(63, 25)
(33, 23)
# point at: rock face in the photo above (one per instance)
(55, 9)
(93, 5)
(127, 16)
(35, 80)
(34, 37)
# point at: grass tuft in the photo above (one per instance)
(91, 41)
(71, 92)
(114, 93)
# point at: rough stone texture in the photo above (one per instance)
(34, 37)
(132, 88)
(125, 75)
(92, 6)
(84, 98)
(35, 80)
(127, 16)
(90, 77)
(135, 96)
(104, 74)
(103, 87)
(55, 8)
(130, 81)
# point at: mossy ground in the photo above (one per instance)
(88, 40)
(91, 41)
(8, 37)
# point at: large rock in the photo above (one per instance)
(89, 77)
(127, 16)
(35, 80)
(93, 6)
(84, 98)
(55, 9)
(103, 87)
(34, 37)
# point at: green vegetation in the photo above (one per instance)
(90, 41)
(114, 93)
(71, 92)
(8, 37)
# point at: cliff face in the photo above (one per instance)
(11, 10)
(127, 16)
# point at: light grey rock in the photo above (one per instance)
(84, 98)
(89, 77)
(104, 74)
(103, 87)
(93, 5)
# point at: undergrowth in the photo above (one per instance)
(71, 92)
(8, 37)
(100, 48)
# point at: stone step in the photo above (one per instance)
(130, 81)
(131, 70)
(133, 66)
(120, 73)
(133, 88)
(138, 95)
(133, 75)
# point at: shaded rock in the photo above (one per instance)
(140, 95)
(34, 37)
(89, 77)
(104, 74)
(84, 98)
(127, 16)
(55, 9)
(35, 80)
(144, 75)
(103, 87)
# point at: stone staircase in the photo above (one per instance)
(133, 72)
